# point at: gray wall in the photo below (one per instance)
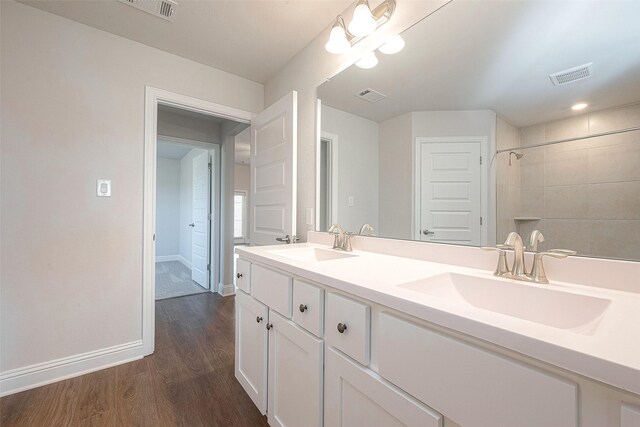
(167, 207)
(73, 104)
(357, 167)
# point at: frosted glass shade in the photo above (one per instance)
(362, 24)
(338, 42)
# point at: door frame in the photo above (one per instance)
(334, 145)
(485, 196)
(153, 98)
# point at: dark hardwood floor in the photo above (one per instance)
(188, 381)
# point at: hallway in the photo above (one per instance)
(188, 381)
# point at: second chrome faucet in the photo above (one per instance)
(518, 269)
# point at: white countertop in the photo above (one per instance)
(609, 351)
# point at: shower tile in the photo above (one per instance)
(567, 167)
(532, 202)
(618, 200)
(615, 239)
(615, 119)
(568, 234)
(567, 201)
(614, 163)
(572, 127)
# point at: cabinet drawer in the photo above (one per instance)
(354, 340)
(272, 288)
(308, 306)
(469, 384)
(243, 275)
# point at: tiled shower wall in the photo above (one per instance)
(586, 192)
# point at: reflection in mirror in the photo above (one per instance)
(469, 133)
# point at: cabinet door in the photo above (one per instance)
(355, 396)
(295, 375)
(251, 348)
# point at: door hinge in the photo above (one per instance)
(208, 267)
(480, 159)
(209, 217)
(209, 166)
(480, 220)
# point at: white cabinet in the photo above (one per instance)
(243, 275)
(355, 397)
(272, 288)
(251, 348)
(295, 375)
(308, 306)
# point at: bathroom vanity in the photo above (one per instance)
(334, 338)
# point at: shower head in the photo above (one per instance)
(518, 156)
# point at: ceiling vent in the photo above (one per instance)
(370, 95)
(165, 9)
(574, 74)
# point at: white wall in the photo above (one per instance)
(309, 69)
(167, 207)
(357, 167)
(73, 104)
(395, 172)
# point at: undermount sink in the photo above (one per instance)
(558, 309)
(312, 254)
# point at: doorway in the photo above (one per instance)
(231, 122)
(327, 187)
(185, 179)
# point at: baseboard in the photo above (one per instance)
(226, 290)
(20, 379)
(184, 261)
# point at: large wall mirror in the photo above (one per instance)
(495, 117)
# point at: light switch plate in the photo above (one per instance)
(351, 202)
(103, 188)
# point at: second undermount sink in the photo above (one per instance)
(312, 254)
(534, 303)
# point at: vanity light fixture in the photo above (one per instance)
(369, 60)
(579, 106)
(338, 42)
(393, 45)
(364, 22)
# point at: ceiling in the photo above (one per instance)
(172, 151)
(498, 55)
(252, 39)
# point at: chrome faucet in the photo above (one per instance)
(514, 242)
(518, 270)
(366, 230)
(341, 239)
(535, 238)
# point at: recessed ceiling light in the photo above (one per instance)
(579, 106)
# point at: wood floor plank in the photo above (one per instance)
(189, 380)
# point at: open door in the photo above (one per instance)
(273, 172)
(200, 221)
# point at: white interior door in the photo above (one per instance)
(200, 220)
(273, 172)
(450, 192)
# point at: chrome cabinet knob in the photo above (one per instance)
(258, 319)
(342, 327)
(303, 308)
(269, 326)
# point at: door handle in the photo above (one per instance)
(427, 232)
(192, 225)
(288, 239)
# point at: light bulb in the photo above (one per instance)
(369, 60)
(362, 24)
(580, 106)
(338, 42)
(393, 45)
